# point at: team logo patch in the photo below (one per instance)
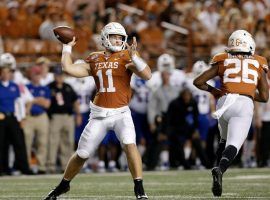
(94, 57)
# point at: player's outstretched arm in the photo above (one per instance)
(138, 65)
(76, 70)
(263, 89)
(200, 81)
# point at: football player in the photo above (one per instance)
(206, 101)
(85, 89)
(138, 106)
(112, 70)
(243, 80)
(166, 62)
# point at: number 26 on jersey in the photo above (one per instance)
(246, 71)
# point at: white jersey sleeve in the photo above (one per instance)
(139, 100)
(155, 82)
(84, 88)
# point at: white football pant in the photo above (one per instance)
(97, 128)
(235, 122)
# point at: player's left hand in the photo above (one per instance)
(132, 49)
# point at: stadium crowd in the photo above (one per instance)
(41, 124)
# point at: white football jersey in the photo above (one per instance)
(202, 97)
(84, 88)
(177, 78)
(264, 109)
(140, 96)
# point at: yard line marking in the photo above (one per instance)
(250, 177)
(132, 197)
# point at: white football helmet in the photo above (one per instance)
(7, 60)
(241, 41)
(165, 62)
(113, 28)
(199, 67)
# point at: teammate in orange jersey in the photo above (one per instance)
(243, 80)
(112, 70)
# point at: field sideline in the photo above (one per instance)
(237, 184)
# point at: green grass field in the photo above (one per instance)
(237, 184)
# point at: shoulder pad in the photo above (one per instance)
(93, 56)
(218, 58)
(263, 62)
(125, 55)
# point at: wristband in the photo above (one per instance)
(66, 48)
(138, 62)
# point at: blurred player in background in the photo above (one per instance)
(138, 105)
(206, 102)
(112, 70)
(243, 78)
(166, 62)
(262, 122)
(85, 89)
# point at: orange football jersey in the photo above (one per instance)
(239, 74)
(112, 78)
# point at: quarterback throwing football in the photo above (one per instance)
(112, 70)
(243, 80)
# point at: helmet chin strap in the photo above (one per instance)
(115, 48)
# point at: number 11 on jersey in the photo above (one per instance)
(110, 88)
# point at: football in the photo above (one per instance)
(64, 34)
